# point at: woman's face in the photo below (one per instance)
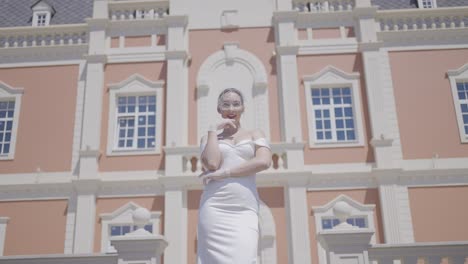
(231, 106)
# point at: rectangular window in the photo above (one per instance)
(333, 115)
(136, 122)
(462, 92)
(120, 230)
(7, 109)
(329, 223)
(426, 3)
(41, 20)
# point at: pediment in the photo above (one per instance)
(136, 82)
(462, 70)
(357, 206)
(330, 74)
(7, 90)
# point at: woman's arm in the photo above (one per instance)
(210, 156)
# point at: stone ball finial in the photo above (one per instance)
(342, 210)
(141, 216)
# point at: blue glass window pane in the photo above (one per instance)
(121, 143)
(142, 120)
(316, 101)
(318, 113)
(142, 108)
(1, 137)
(131, 123)
(122, 100)
(151, 131)
(347, 100)
(115, 231)
(121, 133)
(465, 120)
(326, 224)
(129, 143)
(318, 124)
(2, 125)
(315, 92)
(11, 105)
(346, 91)
(131, 100)
(1, 148)
(341, 135)
(326, 113)
(336, 222)
(338, 112)
(3, 105)
(152, 99)
(149, 228)
(460, 86)
(142, 100)
(350, 221)
(326, 100)
(152, 108)
(336, 91)
(125, 230)
(131, 109)
(327, 124)
(325, 92)
(121, 109)
(2, 113)
(141, 143)
(464, 108)
(130, 133)
(348, 111)
(123, 122)
(328, 135)
(141, 132)
(320, 135)
(9, 125)
(349, 123)
(350, 135)
(466, 130)
(151, 120)
(339, 123)
(337, 100)
(150, 142)
(462, 95)
(10, 113)
(7, 137)
(360, 222)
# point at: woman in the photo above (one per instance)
(228, 215)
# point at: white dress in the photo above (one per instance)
(228, 214)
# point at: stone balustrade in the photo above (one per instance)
(135, 10)
(59, 35)
(423, 19)
(316, 6)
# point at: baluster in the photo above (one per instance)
(7, 43)
(414, 26)
(452, 22)
(433, 23)
(122, 16)
(113, 16)
(340, 6)
(199, 165)
(462, 23)
(25, 41)
(188, 164)
(79, 40)
(423, 23)
(405, 24)
(456, 260)
(52, 40)
(395, 25)
(349, 6)
(280, 162)
(15, 42)
(325, 6)
(313, 7)
(385, 25)
(33, 42)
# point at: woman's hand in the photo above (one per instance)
(225, 123)
(208, 176)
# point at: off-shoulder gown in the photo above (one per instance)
(228, 214)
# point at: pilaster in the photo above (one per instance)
(175, 224)
(297, 222)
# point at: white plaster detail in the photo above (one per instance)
(459, 75)
(3, 226)
(354, 209)
(134, 85)
(233, 67)
(123, 216)
(229, 19)
(78, 116)
(267, 238)
(331, 77)
(70, 224)
(42, 13)
(175, 223)
(8, 93)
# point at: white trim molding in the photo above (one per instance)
(8, 93)
(134, 85)
(123, 216)
(3, 226)
(238, 68)
(331, 77)
(460, 76)
(267, 239)
(365, 211)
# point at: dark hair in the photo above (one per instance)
(230, 90)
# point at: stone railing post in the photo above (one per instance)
(139, 246)
(346, 243)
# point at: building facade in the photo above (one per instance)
(365, 102)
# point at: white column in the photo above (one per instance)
(70, 224)
(297, 223)
(396, 212)
(85, 215)
(175, 225)
(3, 228)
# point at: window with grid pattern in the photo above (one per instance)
(7, 109)
(120, 230)
(427, 4)
(329, 223)
(41, 20)
(462, 93)
(333, 115)
(136, 122)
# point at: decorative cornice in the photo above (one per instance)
(97, 23)
(176, 55)
(287, 50)
(176, 21)
(96, 58)
(285, 16)
(365, 12)
(370, 46)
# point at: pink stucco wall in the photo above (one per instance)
(273, 197)
(138, 41)
(116, 73)
(45, 135)
(320, 198)
(33, 222)
(424, 104)
(439, 213)
(259, 41)
(326, 33)
(109, 205)
(308, 65)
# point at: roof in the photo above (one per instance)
(18, 13)
(406, 4)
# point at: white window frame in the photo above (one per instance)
(421, 4)
(458, 75)
(331, 77)
(3, 225)
(365, 211)
(8, 93)
(135, 85)
(41, 8)
(123, 216)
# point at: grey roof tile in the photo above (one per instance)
(406, 4)
(18, 13)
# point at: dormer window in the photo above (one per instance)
(427, 3)
(42, 13)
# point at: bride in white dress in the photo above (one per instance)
(228, 215)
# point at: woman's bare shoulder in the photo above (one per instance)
(256, 134)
